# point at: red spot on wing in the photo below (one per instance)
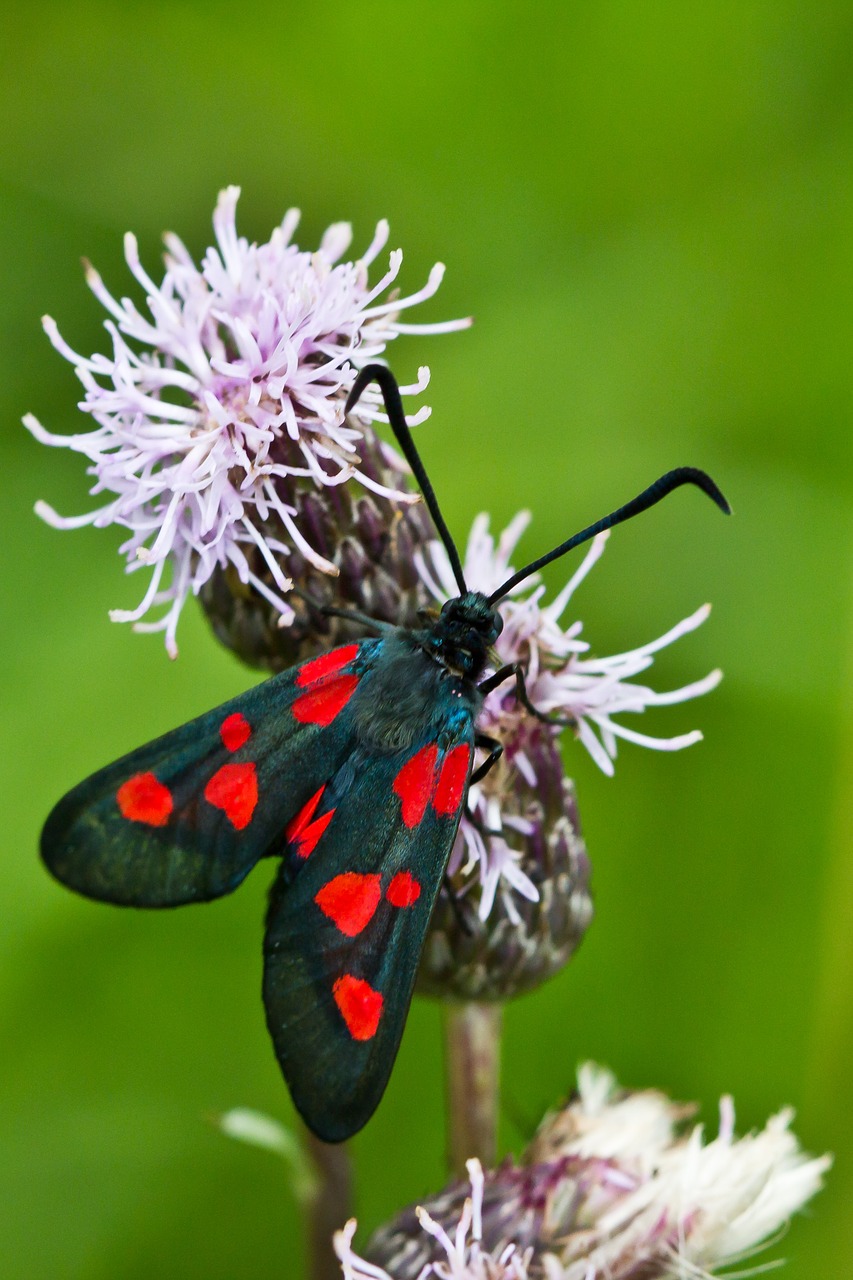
(327, 664)
(404, 890)
(322, 704)
(234, 790)
(414, 784)
(235, 731)
(360, 1006)
(452, 779)
(302, 832)
(143, 799)
(298, 824)
(310, 838)
(350, 900)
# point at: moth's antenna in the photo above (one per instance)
(394, 405)
(642, 502)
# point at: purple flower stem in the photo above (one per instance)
(472, 1035)
(329, 1209)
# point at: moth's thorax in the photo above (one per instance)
(463, 633)
(408, 696)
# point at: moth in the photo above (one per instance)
(352, 769)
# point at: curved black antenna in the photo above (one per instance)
(397, 418)
(642, 502)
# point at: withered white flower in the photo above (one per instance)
(613, 1187)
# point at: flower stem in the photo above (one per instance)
(472, 1044)
(329, 1207)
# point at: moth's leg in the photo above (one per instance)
(499, 677)
(495, 750)
(524, 698)
(513, 669)
(352, 615)
(456, 907)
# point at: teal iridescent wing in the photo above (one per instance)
(345, 935)
(185, 818)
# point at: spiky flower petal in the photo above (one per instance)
(230, 391)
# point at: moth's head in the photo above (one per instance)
(465, 630)
(472, 611)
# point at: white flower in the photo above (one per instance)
(689, 1205)
(234, 383)
(611, 1188)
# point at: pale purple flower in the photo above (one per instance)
(613, 1187)
(562, 679)
(234, 381)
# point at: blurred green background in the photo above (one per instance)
(648, 208)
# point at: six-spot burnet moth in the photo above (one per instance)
(353, 769)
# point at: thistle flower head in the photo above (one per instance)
(613, 1187)
(519, 872)
(563, 679)
(503, 827)
(230, 391)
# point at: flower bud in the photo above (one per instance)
(370, 541)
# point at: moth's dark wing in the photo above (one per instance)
(345, 935)
(185, 818)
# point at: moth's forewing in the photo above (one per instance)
(185, 818)
(344, 938)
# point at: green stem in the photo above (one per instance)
(472, 1044)
(329, 1207)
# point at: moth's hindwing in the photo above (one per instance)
(344, 936)
(185, 818)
